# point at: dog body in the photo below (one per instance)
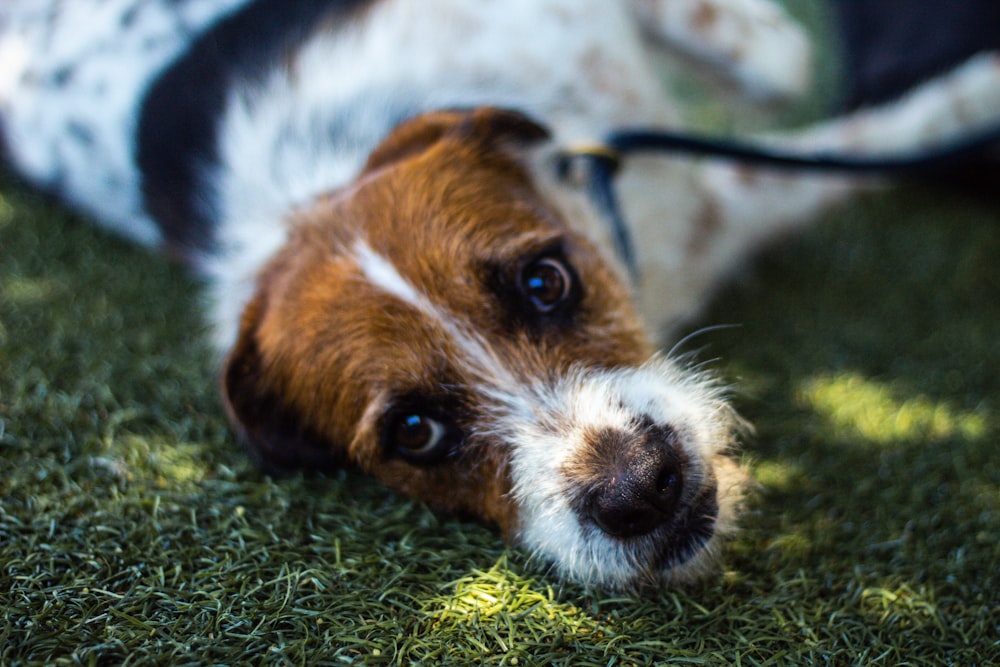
(399, 276)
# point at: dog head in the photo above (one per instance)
(438, 325)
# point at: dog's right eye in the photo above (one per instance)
(418, 437)
(538, 293)
(547, 283)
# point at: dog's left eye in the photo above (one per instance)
(419, 438)
(547, 283)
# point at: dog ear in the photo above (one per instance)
(276, 437)
(485, 126)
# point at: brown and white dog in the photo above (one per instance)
(399, 277)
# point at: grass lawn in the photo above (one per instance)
(133, 529)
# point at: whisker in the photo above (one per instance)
(698, 332)
(704, 363)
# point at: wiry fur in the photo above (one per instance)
(372, 204)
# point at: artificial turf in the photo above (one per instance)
(134, 530)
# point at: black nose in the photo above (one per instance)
(641, 492)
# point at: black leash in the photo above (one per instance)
(602, 161)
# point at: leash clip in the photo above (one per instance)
(576, 164)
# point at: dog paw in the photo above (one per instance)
(962, 100)
(973, 90)
(752, 42)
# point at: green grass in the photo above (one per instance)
(134, 530)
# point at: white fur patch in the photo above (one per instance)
(381, 273)
(71, 101)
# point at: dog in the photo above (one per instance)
(399, 279)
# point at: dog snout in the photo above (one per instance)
(642, 490)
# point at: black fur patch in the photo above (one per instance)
(178, 125)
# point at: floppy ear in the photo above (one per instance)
(276, 437)
(486, 126)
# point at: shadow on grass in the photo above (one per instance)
(867, 359)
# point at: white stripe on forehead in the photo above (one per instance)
(382, 274)
(479, 358)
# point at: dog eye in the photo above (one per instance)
(547, 283)
(418, 437)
